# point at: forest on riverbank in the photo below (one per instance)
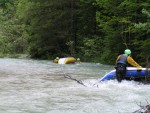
(94, 30)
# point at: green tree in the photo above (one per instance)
(50, 26)
(88, 41)
(143, 29)
(11, 37)
(116, 20)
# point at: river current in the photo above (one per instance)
(39, 86)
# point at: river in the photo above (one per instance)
(39, 86)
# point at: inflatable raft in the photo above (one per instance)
(67, 60)
(131, 73)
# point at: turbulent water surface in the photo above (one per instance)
(39, 86)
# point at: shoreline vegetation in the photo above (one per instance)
(93, 30)
(19, 56)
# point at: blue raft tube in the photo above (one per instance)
(131, 72)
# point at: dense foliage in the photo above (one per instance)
(94, 30)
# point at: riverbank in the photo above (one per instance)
(20, 56)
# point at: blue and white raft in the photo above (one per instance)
(131, 72)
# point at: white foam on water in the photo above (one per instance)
(117, 97)
(32, 86)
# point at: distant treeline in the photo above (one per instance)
(94, 30)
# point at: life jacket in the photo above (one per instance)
(123, 59)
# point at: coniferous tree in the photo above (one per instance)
(51, 27)
(11, 38)
(116, 20)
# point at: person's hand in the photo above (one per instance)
(139, 68)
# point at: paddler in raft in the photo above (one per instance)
(78, 61)
(122, 62)
(56, 60)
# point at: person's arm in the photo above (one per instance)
(117, 59)
(132, 62)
